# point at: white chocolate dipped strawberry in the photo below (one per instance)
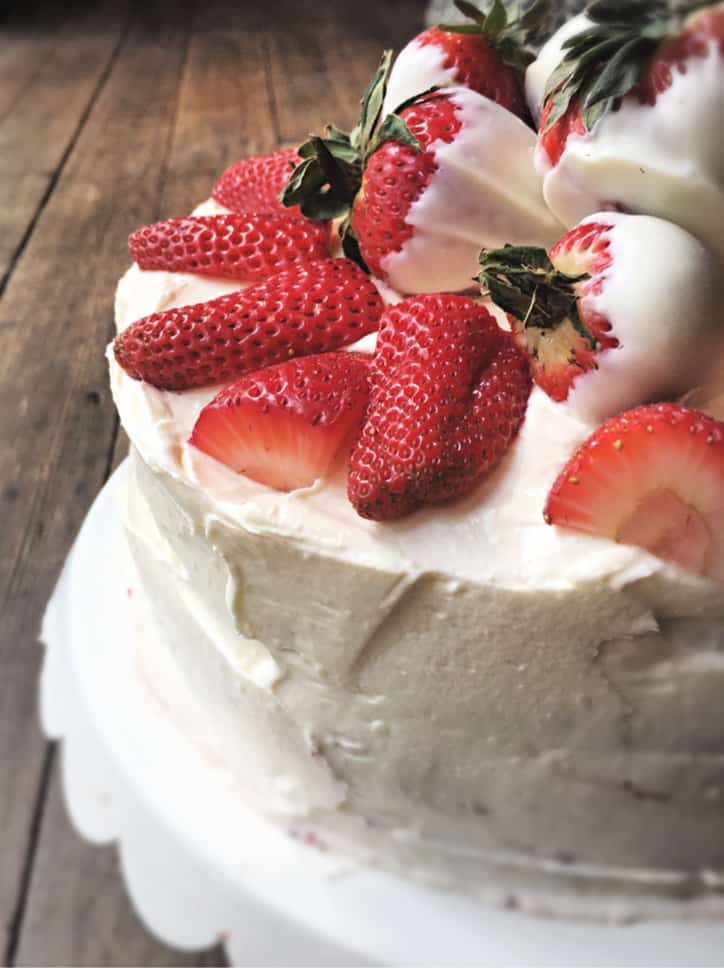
(423, 190)
(488, 54)
(623, 310)
(632, 117)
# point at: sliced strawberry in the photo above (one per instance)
(254, 184)
(284, 426)
(307, 309)
(545, 298)
(248, 246)
(448, 392)
(652, 477)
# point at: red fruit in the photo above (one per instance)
(553, 139)
(247, 246)
(549, 313)
(254, 184)
(448, 392)
(652, 477)
(285, 425)
(478, 65)
(396, 175)
(311, 308)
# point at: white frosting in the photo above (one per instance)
(467, 696)
(664, 297)
(484, 193)
(417, 68)
(665, 160)
(549, 57)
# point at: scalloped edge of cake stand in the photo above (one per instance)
(201, 867)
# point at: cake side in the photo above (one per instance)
(448, 597)
(402, 745)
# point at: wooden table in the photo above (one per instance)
(112, 115)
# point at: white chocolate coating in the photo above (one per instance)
(664, 297)
(417, 68)
(665, 160)
(549, 57)
(484, 193)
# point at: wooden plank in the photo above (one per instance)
(29, 33)
(51, 63)
(115, 179)
(204, 131)
(55, 439)
(90, 921)
(225, 107)
(320, 69)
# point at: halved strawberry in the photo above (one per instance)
(544, 296)
(254, 184)
(307, 309)
(653, 477)
(237, 246)
(448, 392)
(284, 426)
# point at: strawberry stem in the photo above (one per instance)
(523, 282)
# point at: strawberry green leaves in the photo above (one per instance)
(512, 33)
(326, 182)
(523, 281)
(605, 62)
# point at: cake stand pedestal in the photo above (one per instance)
(200, 867)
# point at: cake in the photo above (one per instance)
(439, 680)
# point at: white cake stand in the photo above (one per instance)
(201, 867)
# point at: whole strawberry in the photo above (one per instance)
(632, 114)
(254, 184)
(624, 309)
(448, 392)
(285, 425)
(652, 477)
(245, 247)
(488, 54)
(424, 188)
(308, 309)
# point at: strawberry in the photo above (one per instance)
(487, 54)
(613, 134)
(423, 188)
(285, 425)
(254, 184)
(240, 246)
(652, 477)
(448, 392)
(545, 294)
(303, 310)
(623, 310)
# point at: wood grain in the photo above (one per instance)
(58, 424)
(50, 71)
(113, 115)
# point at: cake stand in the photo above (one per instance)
(201, 867)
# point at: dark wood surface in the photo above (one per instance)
(113, 114)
